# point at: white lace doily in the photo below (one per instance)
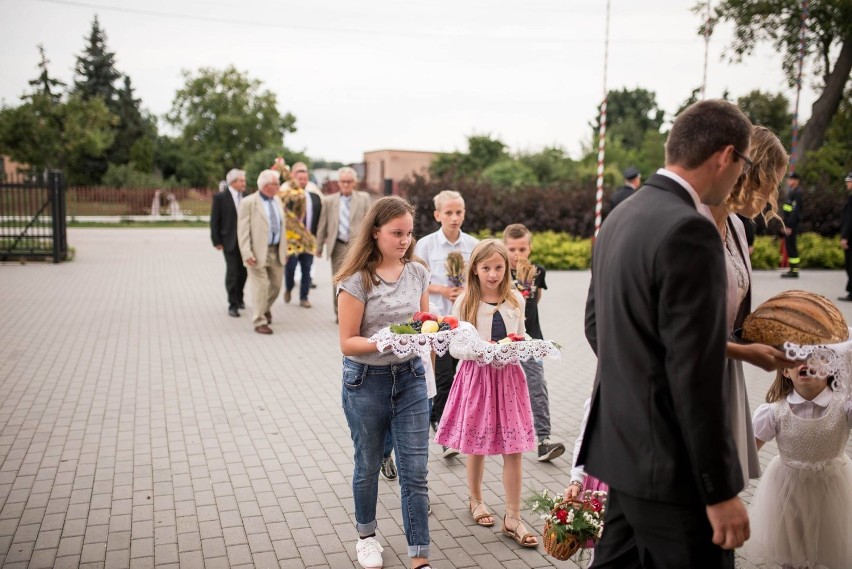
(499, 355)
(404, 345)
(826, 360)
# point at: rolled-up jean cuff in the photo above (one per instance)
(366, 529)
(418, 551)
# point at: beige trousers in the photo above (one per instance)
(265, 284)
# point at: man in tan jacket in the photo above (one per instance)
(263, 246)
(340, 220)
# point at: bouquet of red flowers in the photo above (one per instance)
(568, 525)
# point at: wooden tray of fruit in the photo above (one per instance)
(424, 332)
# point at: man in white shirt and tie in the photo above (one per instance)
(340, 220)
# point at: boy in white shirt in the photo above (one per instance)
(434, 249)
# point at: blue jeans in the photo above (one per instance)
(378, 399)
(304, 260)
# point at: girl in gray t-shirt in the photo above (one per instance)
(378, 285)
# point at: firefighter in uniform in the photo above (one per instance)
(792, 215)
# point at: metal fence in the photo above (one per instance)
(32, 218)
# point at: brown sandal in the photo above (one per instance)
(479, 517)
(526, 539)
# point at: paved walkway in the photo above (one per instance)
(140, 426)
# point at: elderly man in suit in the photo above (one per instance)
(303, 259)
(223, 232)
(342, 214)
(263, 245)
(659, 430)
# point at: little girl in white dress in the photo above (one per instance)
(801, 513)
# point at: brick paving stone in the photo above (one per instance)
(156, 430)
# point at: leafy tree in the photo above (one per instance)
(265, 157)
(45, 134)
(509, 174)
(771, 111)
(550, 165)
(330, 164)
(483, 151)
(630, 113)
(826, 167)
(224, 117)
(828, 44)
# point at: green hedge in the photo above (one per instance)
(561, 251)
(816, 252)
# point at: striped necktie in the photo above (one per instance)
(343, 224)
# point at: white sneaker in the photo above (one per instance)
(369, 553)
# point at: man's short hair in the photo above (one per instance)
(347, 170)
(516, 231)
(267, 177)
(446, 196)
(794, 176)
(703, 129)
(233, 174)
(299, 167)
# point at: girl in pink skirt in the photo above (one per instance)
(488, 411)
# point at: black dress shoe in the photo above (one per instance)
(313, 284)
(242, 305)
(232, 311)
(790, 275)
(847, 298)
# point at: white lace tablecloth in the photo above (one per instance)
(826, 360)
(500, 355)
(405, 345)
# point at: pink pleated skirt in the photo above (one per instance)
(488, 411)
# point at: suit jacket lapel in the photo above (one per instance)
(660, 182)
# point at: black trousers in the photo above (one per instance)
(235, 277)
(847, 257)
(644, 534)
(445, 373)
(792, 250)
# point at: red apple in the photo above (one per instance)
(452, 321)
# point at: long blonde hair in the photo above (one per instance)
(768, 156)
(473, 293)
(363, 255)
(783, 385)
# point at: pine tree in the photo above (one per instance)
(95, 69)
(44, 84)
(132, 125)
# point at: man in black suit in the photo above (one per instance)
(632, 181)
(304, 260)
(223, 232)
(659, 430)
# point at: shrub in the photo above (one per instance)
(817, 252)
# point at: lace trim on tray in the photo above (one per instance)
(404, 345)
(500, 355)
(826, 360)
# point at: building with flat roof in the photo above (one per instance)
(384, 169)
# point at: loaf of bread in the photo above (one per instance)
(796, 316)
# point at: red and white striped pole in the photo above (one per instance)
(602, 134)
(802, 32)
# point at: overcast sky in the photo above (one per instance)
(404, 74)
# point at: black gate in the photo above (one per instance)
(32, 219)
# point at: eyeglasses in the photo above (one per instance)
(748, 163)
